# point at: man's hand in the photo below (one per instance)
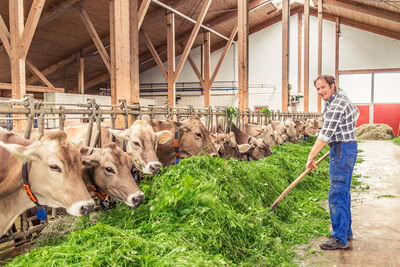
(311, 164)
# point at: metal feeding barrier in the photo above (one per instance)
(39, 115)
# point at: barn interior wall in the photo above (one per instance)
(358, 50)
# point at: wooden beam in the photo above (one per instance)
(17, 62)
(222, 57)
(30, 27)
(207, 67)
(40, 76)
(171, 59)
(192, 38)
(81, 74)
(134, 45)
(5, 36)
(243, 51)
(285, 55)
(365, 9)
(142, 11)
(299, 50)
(112, 58)
(95, 37)
(196, 71)
(306, 54)
(31, 88)
(337, 35)
(319, 48)
(369, 71)
(122, 52)
(156, 57)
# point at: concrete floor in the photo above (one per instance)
(375, 212)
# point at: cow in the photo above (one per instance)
(109, 170)
(227, 146)
(192, 138)
(258, 148)
(311, 128)
(300, 126)
(53, 176)
(139, 139)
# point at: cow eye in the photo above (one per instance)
(136, 143)
(55, 168)
(198, 134)
(109, 170)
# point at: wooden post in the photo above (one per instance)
(319, 48)
(306, 53)
(243, 50)
(134, 42)
(112, 56)
(120, 47)
(299, 48)
(337, 51)
(81, 74)
(171, 58)
(285, 55)
(207, 67)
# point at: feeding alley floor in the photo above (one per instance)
(375, 213)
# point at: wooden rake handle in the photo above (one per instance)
(295, 182)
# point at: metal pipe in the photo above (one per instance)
(189, 19)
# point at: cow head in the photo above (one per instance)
(300, 126)
(194, 138)
(290, 129)
(268, 136)
(311, 128)
(112, 173)
(227, 146)
(142, 141)
(55, 172)
(258, 148)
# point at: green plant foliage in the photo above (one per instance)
(266, 111)
(204, 212)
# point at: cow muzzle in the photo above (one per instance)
(153, 167)
(81, 208)
(134, 200)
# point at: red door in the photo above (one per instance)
(388, 114)
(364, 115)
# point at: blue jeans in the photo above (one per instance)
(342, 157)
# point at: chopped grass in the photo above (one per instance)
(386, 196)
(204, 212)
(396, 140)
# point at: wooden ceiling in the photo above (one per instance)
(61, 34)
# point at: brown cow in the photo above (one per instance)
(227, 146)
(258, 148)
(54, 171)
(109, 169)
(193, 138)
(140, 139)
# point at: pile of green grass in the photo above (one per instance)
(396, 140)
(204, 212)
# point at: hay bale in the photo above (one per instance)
(374, 132)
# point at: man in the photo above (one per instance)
(338, 130)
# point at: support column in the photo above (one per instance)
(81, 74)
(299, 48)
(337, 51)
(306, 53)
(134, 33)
(319, 48)
(171, 58)
(121, 50)
(243, 49)
(207, 67)
(285, 55)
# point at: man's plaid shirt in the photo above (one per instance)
(339, 120)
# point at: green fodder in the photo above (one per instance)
(396, 140)
(204, 212)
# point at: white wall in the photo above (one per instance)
(358, 50)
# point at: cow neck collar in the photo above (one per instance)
(40, 209)
(90, 173)
(176, 146)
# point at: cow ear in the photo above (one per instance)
(164, 136)
(213, 137)
(26, 153)
(92, 160)
(244, 148)
(121, 135)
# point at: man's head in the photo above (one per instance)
(325, 85)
